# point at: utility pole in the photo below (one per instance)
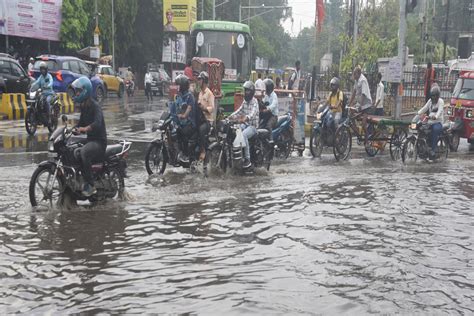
(213, 9)
(96, 30)
(402, 28)
(113, 36)
(355, 28)
(445, 41)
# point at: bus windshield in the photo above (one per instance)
(232, 48)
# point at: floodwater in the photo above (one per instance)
(309, 237)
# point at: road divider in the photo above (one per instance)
(22, 140)
(13, 105)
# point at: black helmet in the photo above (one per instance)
(435, 91)
(269, 86)
(204, 77)
(334, 83)
(249, 90)
(183, 82)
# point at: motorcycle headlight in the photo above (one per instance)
(50, 145)
(450, 111)
(469, 114)
(413, 125)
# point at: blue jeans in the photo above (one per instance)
(47, 102)
(248, 132)
(436, 130)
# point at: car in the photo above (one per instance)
(161, 81)
(111, 80)
(13, 78)
(66, 69)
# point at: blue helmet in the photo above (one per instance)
(82, 89)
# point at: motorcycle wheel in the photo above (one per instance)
(117, 182)
(316, 144)
(39, 193)
(410, 151)
(342, 143)
(213, 159)
(454, 143)
(442, 150)
(53, 122)
(155, 161)
(30, 122)
(396, 143)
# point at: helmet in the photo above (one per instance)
(82, 88)
(183, 82)
(269, 85)
(435, 91)
(204, 77)
(334, 83)
(32, 59)
(43, 67)
(249, 90)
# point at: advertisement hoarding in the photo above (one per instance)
(39, 19)
(179, 15)
(174, 49)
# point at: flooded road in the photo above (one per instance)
(309, 237)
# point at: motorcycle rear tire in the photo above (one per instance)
(342, 143)
(315, 144)
(30, 122)
(454, 142)
(151, 152)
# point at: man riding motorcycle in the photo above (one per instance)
(434, 108)
(269, 115)
(184, 113)
(91, 122)
(207, 106)
(247, 116)
(335, 100)
(45, 83)
(131, 77)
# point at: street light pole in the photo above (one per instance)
(113, 36)
(402, 28)
(213, 9)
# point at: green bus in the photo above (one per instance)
(230, 42)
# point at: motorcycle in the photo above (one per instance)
(60, 179)
(164, 149)
(36, 114)
(418, 143)
(228, 149)
(129, 87)
(323, 131)
(282, 136)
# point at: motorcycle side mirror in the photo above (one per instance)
(64, 118)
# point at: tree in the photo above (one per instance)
(75, 24)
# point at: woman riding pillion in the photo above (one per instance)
(45, 83)
(434, 108)
(247, 116)
(91, 122)
(207, 106)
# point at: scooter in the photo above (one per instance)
(282, 136)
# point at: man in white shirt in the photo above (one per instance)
(379, 96)
(148, 82)
(434, 108)
(30, 65)
(294, 82)
(361, 98)
(259, 85)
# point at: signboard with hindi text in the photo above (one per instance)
(179, 15)
(40, 19)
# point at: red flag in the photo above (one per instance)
(319, 14)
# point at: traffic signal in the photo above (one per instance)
(411, 4)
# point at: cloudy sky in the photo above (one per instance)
(303, 15)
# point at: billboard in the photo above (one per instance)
(179, 15)
(174, 49)
(39, 19)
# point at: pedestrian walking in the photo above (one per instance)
(259, 85)
(379, 96)
(294, 82)
(148, 81)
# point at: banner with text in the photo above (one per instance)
(39, 19)
(179, 15)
